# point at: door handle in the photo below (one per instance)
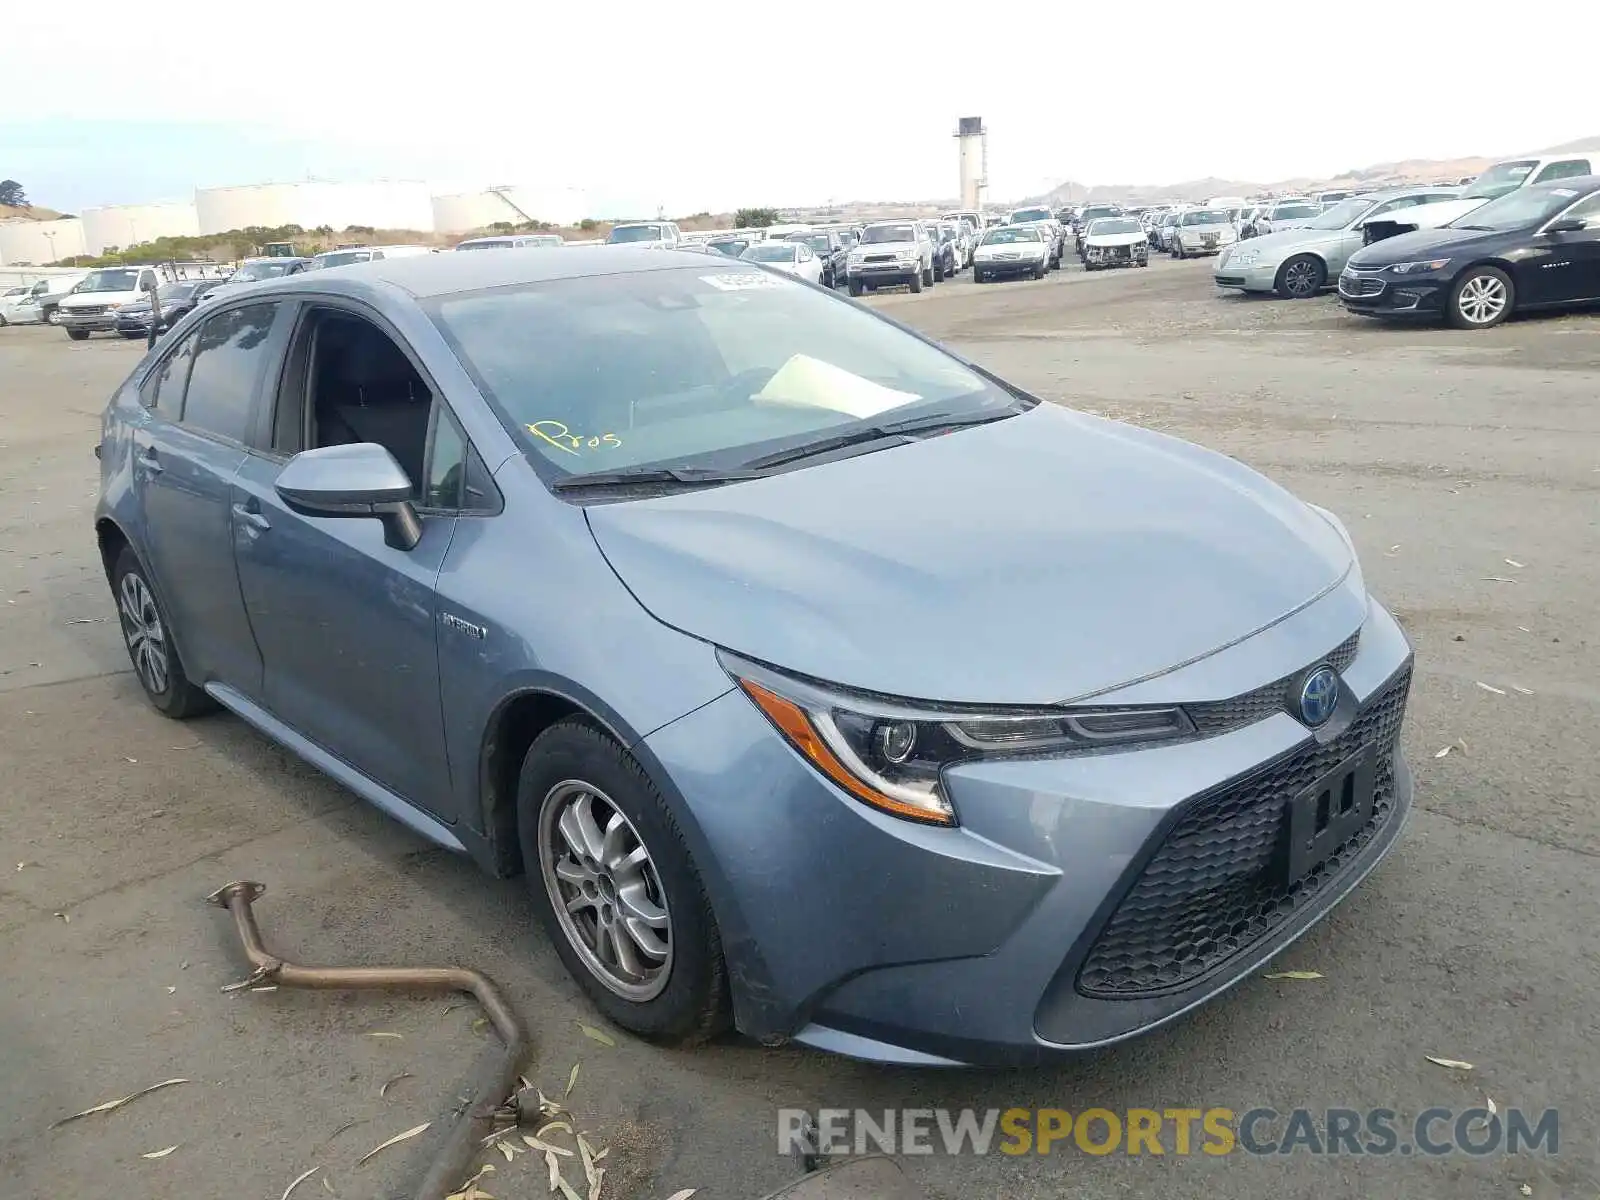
(150, 463)
(251, 517)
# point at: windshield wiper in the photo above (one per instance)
(651, 476)
(895, 432)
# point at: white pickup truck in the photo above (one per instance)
(92, 305)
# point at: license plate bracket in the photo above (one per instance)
(1325, 815)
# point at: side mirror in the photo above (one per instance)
(360, 480)
(1566, 225)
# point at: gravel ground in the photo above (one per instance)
(1467, 468)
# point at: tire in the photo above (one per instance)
(927, 277)
(78, 335)
(1301, 277)
(147, 633)
(916, 283)
(1495, 294)
(52, 317)
(1038, 272)
(978, 276)
(678, 993)
(938, 270)
(855, 287)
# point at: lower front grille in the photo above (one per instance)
(1217, 885)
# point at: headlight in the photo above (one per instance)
(891, 754)
(1412, 268)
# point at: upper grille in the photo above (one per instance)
(1222, 715)
(1217, 885)
(1359, 285)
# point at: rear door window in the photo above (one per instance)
(229, 353)
(1567, 168)
(163, 387)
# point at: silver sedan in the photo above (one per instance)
(1297, 263)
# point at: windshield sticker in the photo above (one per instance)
(562, 438)
(741, 281)
(811, 383)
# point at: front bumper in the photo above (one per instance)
(891, 274)
(1198, 246)
(1116, 256)
(1032, 928)
(95, 322)
(1259, 277)
(1375, 293)
(1008, 266)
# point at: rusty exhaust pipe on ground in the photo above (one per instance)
(489, 1103)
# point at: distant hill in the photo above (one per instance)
(1411, 170)
(31, 212)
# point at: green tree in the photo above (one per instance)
(755, 218)
(587, 224)
(11, 193)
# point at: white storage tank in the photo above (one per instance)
(125, 225)
(39, 242)
(380, 205)
(464, 211)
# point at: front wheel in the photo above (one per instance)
(927, 277)
(52, 317)
(855, 287)
(615, 888)
(1481, 298)
(78, 335)
(916, 284)
(148, 636)
(1300, 278)
(938, 271)
(1038, 272)
(978, 276)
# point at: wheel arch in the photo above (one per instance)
(111, 539)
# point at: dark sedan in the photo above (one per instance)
(830, 248)
(177, 299)
(1537, 247)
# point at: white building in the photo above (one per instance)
(39, 242)
(463, 211)
(125, 225)
(381, 205)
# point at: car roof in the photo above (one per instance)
(428, 275)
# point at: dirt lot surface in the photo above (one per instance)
(1467, 467)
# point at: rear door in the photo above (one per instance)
(200, 402)
(1567, 268)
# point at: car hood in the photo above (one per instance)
(1426, 243)
(1114, 239)
(1283, 242)
(1042, 558)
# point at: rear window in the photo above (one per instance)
(229, 352)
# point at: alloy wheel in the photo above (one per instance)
(1300, 277)
(605, 890)
(145, 634)
(1482, 300)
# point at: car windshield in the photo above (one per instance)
(1342, 213)
(1520, 209)
(1294, 212)
(336, 258)
(1113, 225)
(486, 244)
(1500, 179)
(1030, 214)
(876, 234)
(1009, 233)
(116, 280)
(770, 252)
(713, 364)
(635, 233)
(176, 291)
(817, 241)
(732, 247)
(1207, 216)
(251, 272)
(1091, 214)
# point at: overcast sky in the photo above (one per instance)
(716, 105)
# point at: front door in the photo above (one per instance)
(1566, 268)
(346, 626)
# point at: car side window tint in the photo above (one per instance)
(1569, 168)
(230, 352)
(1588, 212)
(147, 281)
(162, 391)
(446, 463)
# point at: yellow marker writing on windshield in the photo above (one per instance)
(563, 439)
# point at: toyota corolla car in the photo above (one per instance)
(821, 683)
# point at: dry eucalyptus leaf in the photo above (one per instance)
(1498, 579)
(113, 1105)
(545, 1147)
(171, 991)
(1488, 1102)
(480, 1025)
(505, 1148)
(554, 1166)
(1523, 629)
(395, 1140)
(1490, 688)
(683, 1195)
(601, 1153)
(566, 1190)
(1525, 1190)
(389, 1083)
(1294, 975)
(159, 1153)
(585, 1155)
(450, 1008)
(1511, 562)
(383, 1034)
(572, 1081)
(1442, 753)
(329, 1186)
(298, 1180)
(599, 1178)
(1461, 745)
(1521, 691)
(66, 920)
(1453, 1064)
(598, 1035)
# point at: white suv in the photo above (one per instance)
(663, 234)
